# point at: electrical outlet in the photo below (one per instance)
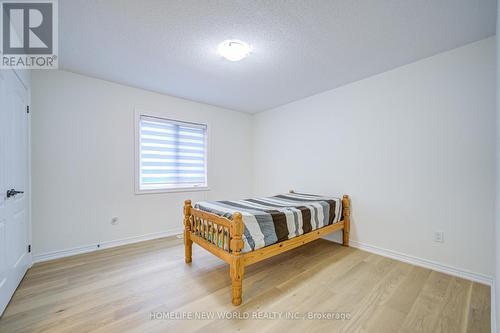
(439, 236)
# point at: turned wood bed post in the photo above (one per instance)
(237, 268)
(346, 215)
(188, 243)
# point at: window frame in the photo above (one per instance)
(137, 153)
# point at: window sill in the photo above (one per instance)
(173, 190)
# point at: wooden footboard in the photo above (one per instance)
(223, 238)
(210, 231)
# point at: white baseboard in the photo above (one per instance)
(103, 245)
(462, 273)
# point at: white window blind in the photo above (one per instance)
(173, 154)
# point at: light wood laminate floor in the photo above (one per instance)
(122, 289)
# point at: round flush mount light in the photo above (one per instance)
(234, 50)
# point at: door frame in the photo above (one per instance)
(24, 76)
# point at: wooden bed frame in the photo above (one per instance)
(223, 238)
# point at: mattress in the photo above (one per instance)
(271, 220)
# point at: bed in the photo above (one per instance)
(243, 232)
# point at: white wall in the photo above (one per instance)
(83, 161)
(414, 147)
(497, 220)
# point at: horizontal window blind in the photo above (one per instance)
(173, 154)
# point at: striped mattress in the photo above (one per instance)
(274, 219)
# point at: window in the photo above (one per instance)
(172, 155)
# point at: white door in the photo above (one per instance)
(15, 258)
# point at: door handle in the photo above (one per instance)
(12, 192)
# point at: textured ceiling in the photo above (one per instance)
(300, 48)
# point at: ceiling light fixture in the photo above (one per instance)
(234, 50)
